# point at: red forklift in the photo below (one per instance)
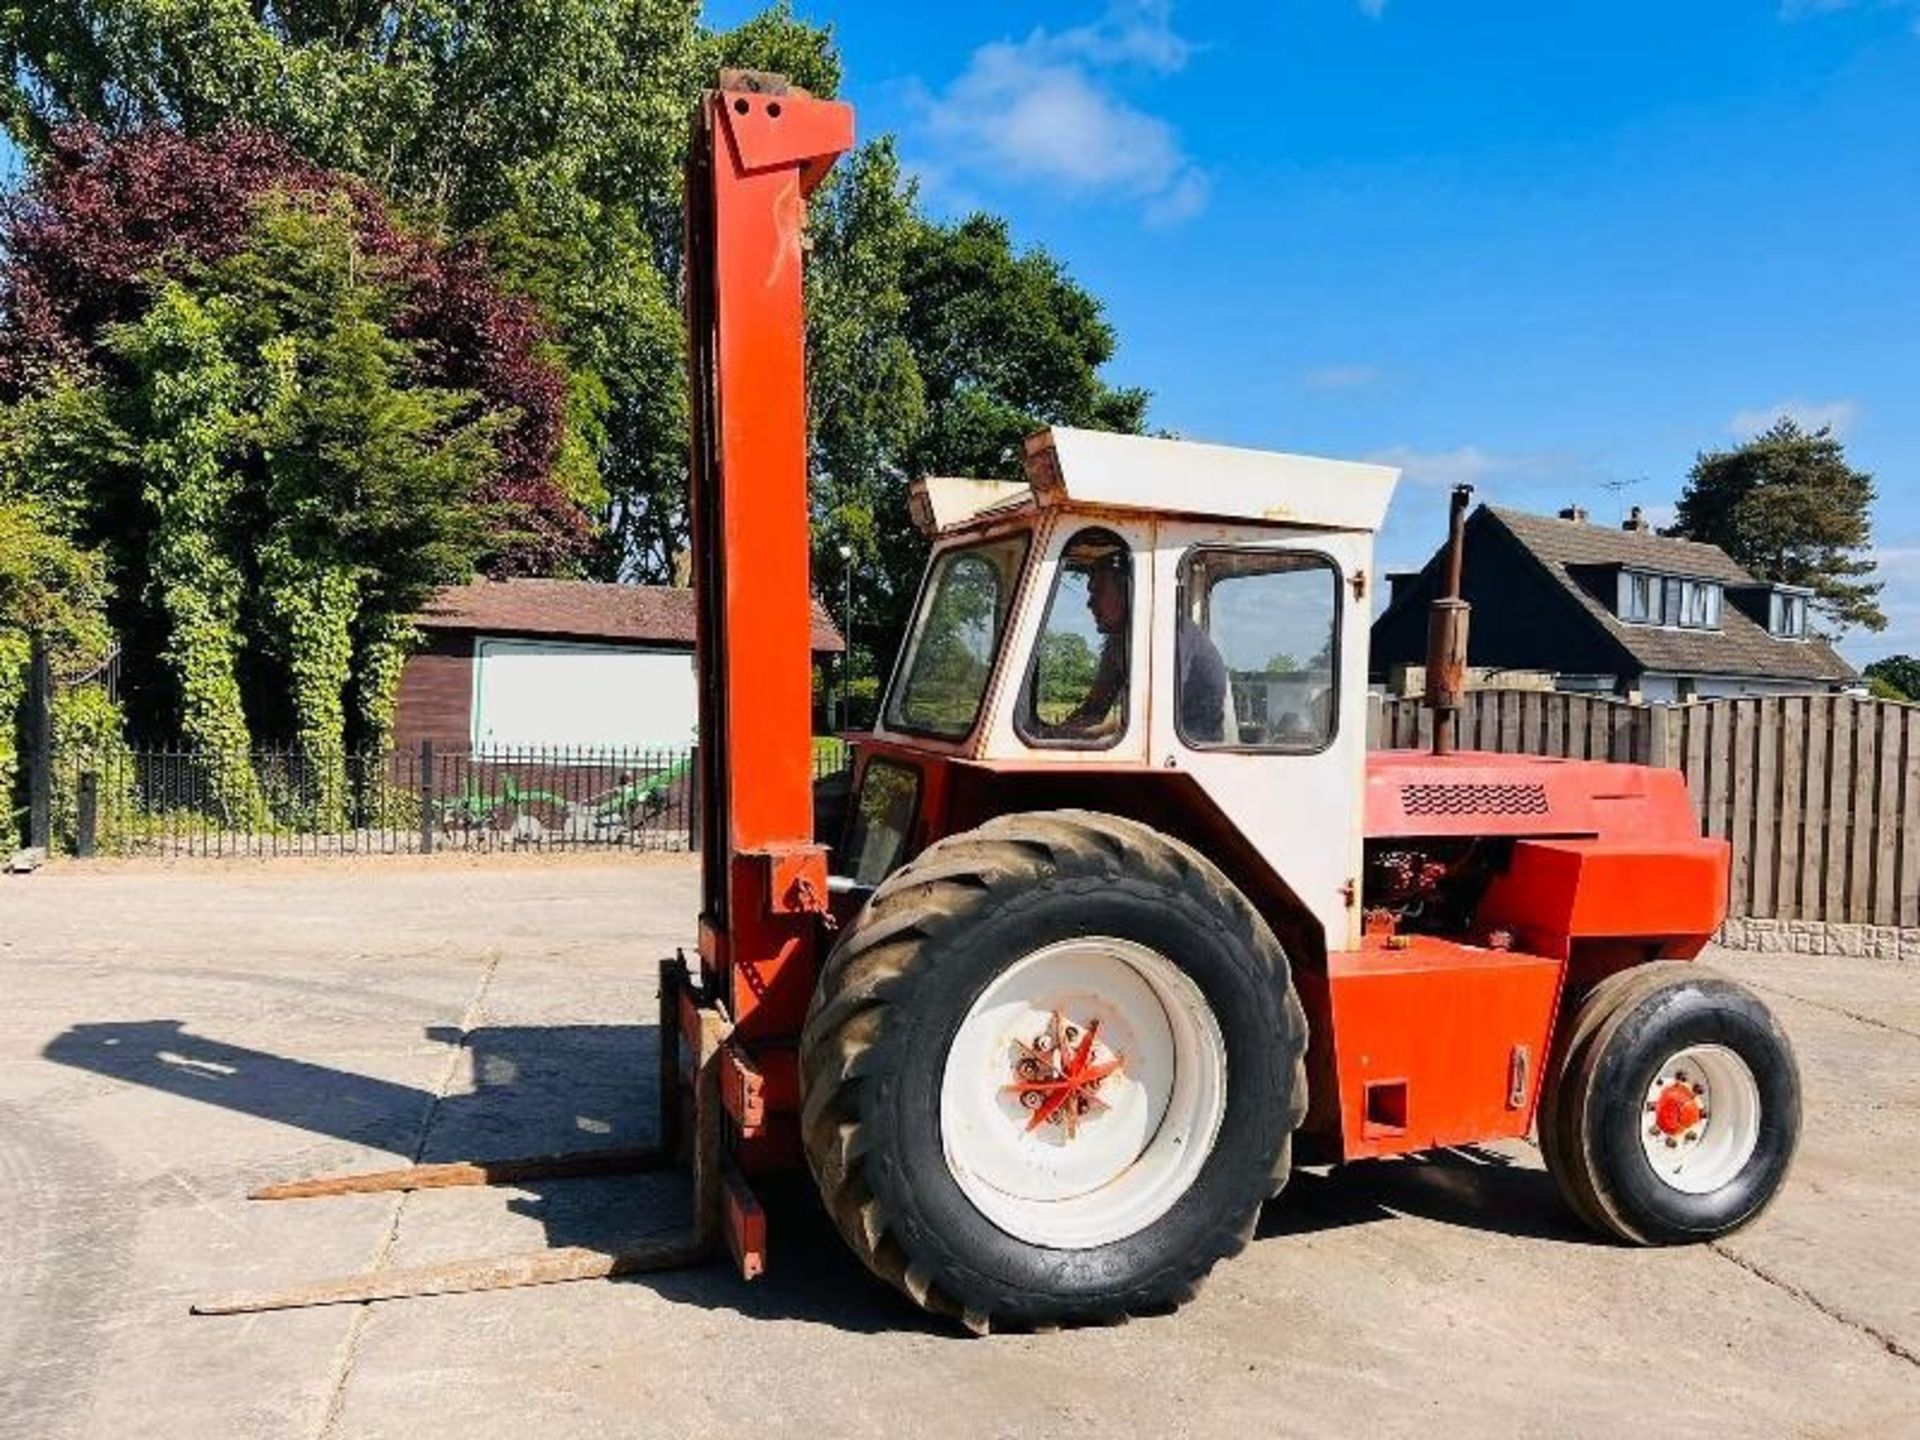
(1123, 920)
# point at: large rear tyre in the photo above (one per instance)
(1674, 1110)
(1052, 1072)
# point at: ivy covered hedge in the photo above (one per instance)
(276, 418)
(49, 586)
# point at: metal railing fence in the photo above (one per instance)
(178, 801)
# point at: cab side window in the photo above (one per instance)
(1076, 690)
(1256, 658)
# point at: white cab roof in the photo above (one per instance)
(1099, 470)
(1137, 472)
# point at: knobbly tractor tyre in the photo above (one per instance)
(1674, 1108)
(1051, 1073)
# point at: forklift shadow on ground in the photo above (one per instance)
(526, 1097)
(1468, 1186)
(535, 1090)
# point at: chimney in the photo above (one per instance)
(1575, 513)
(1636, 522)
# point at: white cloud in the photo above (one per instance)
(1809, 414)
(1341, 377)
(1899, 569)
(1046, 110)
(1803, 9)
(1372, 9)
(1464, 465)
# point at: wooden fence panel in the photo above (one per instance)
(1884, 867)
(1907, 887)
(1833, 873)
(1819, 795)
(1793, 807)
(1764, 862)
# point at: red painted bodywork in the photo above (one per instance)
(1434, 1044)
(764, 880)
(1422, 1041)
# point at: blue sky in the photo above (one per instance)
(1540, 247)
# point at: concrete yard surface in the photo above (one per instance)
(172, 1036)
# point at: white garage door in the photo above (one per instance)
(532, 694)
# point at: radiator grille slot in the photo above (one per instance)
(1474, 799)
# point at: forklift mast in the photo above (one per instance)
(759, 148)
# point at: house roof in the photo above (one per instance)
(585, 609)
(1738, 647)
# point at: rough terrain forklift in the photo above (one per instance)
(1123, 920)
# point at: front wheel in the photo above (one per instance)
(1052, 1072)
(1675, 1110)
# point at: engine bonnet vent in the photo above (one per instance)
(1437, 799)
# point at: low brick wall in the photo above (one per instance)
(1822, 937)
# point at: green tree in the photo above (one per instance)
(555, 134)
(1897, 677)
(307, 486)
(1789, 507)
(51, 587)
(278, 476)
(1063, 674)
(935, 349)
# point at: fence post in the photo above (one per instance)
(86, 820)
(426, 797)
(1660, 748)
(40, 746)
(696, 801)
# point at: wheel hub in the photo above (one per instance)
(1679, 1109)
(1701, 1118)
(1057, 1076)
(1082, 1093)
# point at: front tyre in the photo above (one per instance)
(1052, 1071)
(1676, 1111)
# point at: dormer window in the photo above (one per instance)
(1639, 597)
(1787, 615)
(1669, 600)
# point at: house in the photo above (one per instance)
(511, 665)
(1620, 611)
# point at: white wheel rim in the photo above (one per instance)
(1700, 1121)
(1148, 1124)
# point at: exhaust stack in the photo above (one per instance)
(1447, 634)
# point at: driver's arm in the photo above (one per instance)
(1097, 714)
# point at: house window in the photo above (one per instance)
(1637, 597)
(1702, 611)
(1789, 615)
(1670, 601)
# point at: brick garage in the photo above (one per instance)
(537, 663)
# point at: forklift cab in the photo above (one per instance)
(1147, 626)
